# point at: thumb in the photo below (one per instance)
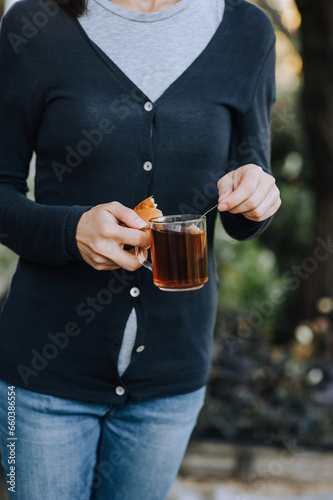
(126, 215)
(225, 186)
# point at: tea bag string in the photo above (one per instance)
(215, 206)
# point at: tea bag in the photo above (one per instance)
(193, 229)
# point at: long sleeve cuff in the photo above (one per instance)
(241, 228)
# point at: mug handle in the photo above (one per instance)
(142, 259)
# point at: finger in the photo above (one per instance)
(126, 260)
(120, 258)
(255, 200)
(99, 265)
(266, 209)
(107, 267)
(128, 236)
(126, 215)
(243, 192)
(144, 251)
(225, 185)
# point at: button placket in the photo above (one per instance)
(146, 151)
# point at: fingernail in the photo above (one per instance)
(222, 207)
(140, 223)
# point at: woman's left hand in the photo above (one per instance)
(250, 191)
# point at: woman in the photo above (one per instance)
(119, 101)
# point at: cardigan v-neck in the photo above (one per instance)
(94, 132)
(189, 72)
(143, 50)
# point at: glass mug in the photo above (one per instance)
(178, 251)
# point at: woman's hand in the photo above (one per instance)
(100, 238)
(249, 191)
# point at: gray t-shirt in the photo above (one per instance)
(153, 50)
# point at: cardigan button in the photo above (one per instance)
(120, 391)
(135, 292)
(148, 106)
(140, 348)
(147, 166)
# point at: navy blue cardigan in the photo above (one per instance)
(92, 130)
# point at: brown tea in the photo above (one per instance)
(179, 257)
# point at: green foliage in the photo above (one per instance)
(7, 259)
(248, 274)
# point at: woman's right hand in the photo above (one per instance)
(100, 238)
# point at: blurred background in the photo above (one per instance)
(270, 393)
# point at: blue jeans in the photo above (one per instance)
(70, 450)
